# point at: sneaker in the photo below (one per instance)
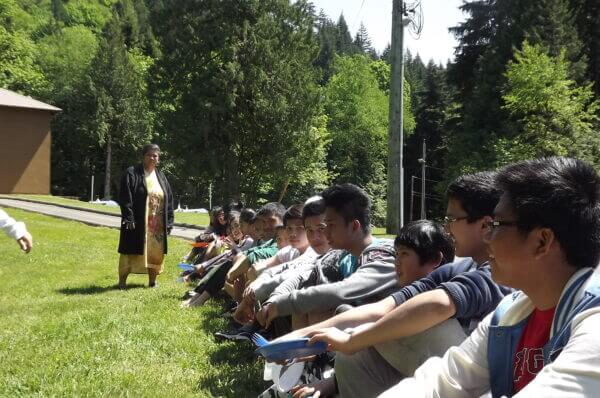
(242, 333)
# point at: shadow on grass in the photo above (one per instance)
(93, 289)
(235, 370)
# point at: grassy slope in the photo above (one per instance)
(189, 218)
(66, 331)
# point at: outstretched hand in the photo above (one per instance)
(26, 242)
(336, 339)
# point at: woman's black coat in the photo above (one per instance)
(132, 200)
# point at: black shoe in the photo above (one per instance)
(242, 333)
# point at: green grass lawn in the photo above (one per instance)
(66, 331)
(188, 218)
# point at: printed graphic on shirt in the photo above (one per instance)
(528, 363)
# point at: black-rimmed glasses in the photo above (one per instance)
(450, 219)
(495, 224)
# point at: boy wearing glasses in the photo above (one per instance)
(395, 335)
(542, 341)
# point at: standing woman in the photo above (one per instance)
(146, 218)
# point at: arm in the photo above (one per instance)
(352, 318)
(414, 316)
(126, 201)
(240, 267)
(16, 230)
(264, 264)
(431, 281)
(369, 282)
(270, 279)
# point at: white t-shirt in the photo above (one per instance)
(287, 253)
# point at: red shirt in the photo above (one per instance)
(529, 357)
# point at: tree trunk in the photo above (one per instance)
(284, 190)
(232, 175)
(107, 169)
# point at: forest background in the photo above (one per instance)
(265, 100)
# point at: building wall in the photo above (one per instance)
(24, 150)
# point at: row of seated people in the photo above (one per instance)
(500, 300)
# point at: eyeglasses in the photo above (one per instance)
(450, 219)
(495, 224)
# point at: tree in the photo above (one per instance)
(344, 43)
(487, 42)
(18, 70)
(363, 42)
(121, 120)
(431, 115)
(358, 108)
(243, 84)
(551, 114)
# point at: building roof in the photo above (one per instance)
(14, 100)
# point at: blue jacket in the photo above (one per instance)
(581, 293)
(469, 285)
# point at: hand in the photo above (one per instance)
(244, 312)
(129, 225)
(26, 242)
(200, 271)
(305, 391)
(336, 339)
(266, 315)
(249, 293)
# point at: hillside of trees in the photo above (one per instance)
(266, 100)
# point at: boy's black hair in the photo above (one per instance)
(271, 209)
(294, 212)
(477, 194)
(314, 206)
(428, 239)
(562, 194)
(248, 216)
(351, 202)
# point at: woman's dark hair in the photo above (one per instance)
(294, 212)
(428, 239)
(477, 193)
(248, 216)
(150, 148)
(215, 226)
(314, 206)
(561, 194)
(351, 202)
(233, 217)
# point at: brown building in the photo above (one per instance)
(24, 144)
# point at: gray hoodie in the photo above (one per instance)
(313, 290)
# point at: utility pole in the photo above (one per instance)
(395, 175)
(423, 162)
(412, 195)
(210, 196)
(92, 190)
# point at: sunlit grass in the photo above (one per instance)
(66, 330)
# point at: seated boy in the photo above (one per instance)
(268, 216)
(369, 278)
(427, 316)
(259, 290)
(543, 341)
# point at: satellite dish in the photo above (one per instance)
(413, 14)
